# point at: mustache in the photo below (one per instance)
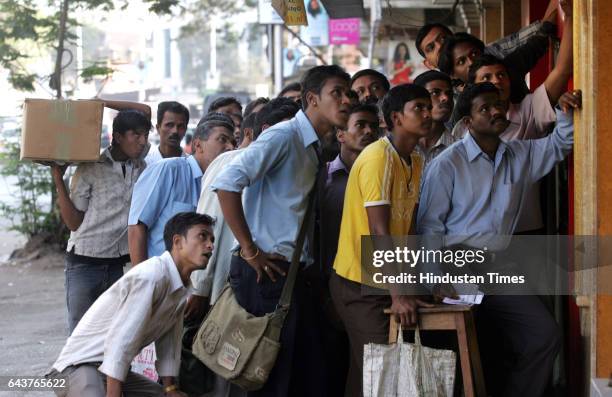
(370, 101)
(176, 137)
(498, 118)
(368, 138)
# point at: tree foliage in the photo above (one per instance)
(24, 28)
(29, 214)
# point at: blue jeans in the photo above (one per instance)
(84, 284)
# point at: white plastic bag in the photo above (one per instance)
(407, 370)
(144, 363)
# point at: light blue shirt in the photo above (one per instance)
(276, 172)
(470, 198)
(163, 190)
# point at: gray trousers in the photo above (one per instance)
(86, 381)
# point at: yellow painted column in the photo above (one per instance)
(593, 167)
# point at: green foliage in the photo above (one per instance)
(97, 69)
(161, 7)
(20, 24)
(30, 215)
(23, 29)
(201, 11)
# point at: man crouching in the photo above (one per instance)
(145, 305)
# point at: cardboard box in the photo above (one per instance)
(61, 130)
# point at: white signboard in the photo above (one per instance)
(267, 14)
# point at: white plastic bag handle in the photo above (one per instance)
(417, 335)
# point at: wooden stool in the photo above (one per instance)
(457, 318)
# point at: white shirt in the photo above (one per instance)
(210, 281)
(155, 155)
(145, 305)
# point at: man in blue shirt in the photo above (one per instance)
(277, 172)
(171, 186)
(472, 195)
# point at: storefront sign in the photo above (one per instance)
(345, 31)
(293, 12)
(317, 32)
(267, 14)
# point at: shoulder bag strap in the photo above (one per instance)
(285, 298)
(284, 303)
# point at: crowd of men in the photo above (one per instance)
(458, 153)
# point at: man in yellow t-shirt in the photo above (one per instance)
(381, 196)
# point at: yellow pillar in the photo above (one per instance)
(593, 167)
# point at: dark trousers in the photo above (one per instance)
(85, 282)
(299, 364)
(365, 322)
(518, 340)
(334, 339)
(336, 347)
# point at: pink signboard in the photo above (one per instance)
(344, 31)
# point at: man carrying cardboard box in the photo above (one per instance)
(96, 210)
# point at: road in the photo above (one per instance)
(32, 306)
(33, 327)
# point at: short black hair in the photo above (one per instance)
(397, 97)
(131, 119)
(273, 112)
(253, 104)
(203, 131)
(181, 223)
(374, 73)
(248, 122)
(172, 107)
(445, 61)
(315, 79)
(363, 107)
(483, 60)
(424, 31)
(210, 121)
(217, 116)
(290, 87)
(471, 91)
(222, 102)
(431, 75)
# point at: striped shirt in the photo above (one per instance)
(103, 192)
(145, 305)
(445, 140)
